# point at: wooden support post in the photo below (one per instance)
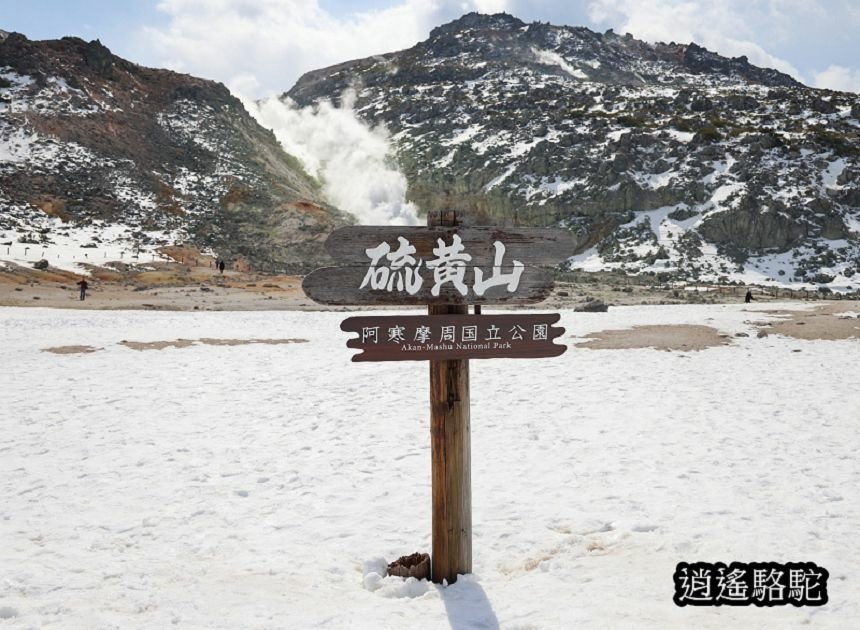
(450, 451)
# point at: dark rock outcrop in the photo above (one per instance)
(548, 125)
(96, 138)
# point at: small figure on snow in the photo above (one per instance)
(84, 286)
(748, 297)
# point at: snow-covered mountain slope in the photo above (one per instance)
(664, 158)
(101, 158)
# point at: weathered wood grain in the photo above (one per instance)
(341, 286)
(531, 246)
(451, 462)
(429, 337)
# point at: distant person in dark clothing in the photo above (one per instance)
(748, 297)
(84, 286)
(221, 266)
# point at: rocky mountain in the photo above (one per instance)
(663, 158)
(103, 159)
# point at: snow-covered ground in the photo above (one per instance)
(74, 247)
(255, 486)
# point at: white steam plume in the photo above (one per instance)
(352, 159)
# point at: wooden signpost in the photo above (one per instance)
(447, 267)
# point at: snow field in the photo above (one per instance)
(258, 486)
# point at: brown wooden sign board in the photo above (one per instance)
(443, 337)
(352, 286)
(438, 265)
(531, 246)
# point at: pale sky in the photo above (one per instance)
(260, 47)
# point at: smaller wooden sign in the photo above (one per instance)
(444, 337)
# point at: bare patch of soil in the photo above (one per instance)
(71, 349)
(157, 345)
(155, 286)
(831, 322)
(245, 342)
(186, 343)
(660, 337)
